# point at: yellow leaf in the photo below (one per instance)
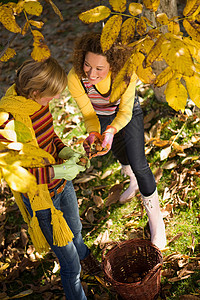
(173, 27)
(110, 32)
(194, 48)
(37, 24)
(22, 294)
(127, 30)
(155, 50)
(153, 33)
(41, 50)
(146, 75)
(19, 7)
(56, 10)
(191, 7)
(193, 87)
(7, 18)
(122, 79)
(18, 178)
(3, 117)
(23, 133)
(193, 29)
(176, 94)
(95, 15)
(151, 4)
(118, 5)
(177, 56)
(177, 147)
(162, 18)
(135, 8)
(146, 45)
(164, 77)
(8, 54)
(33, 8)
(141, 26)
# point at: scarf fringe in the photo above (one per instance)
(62, 234)
(37, 237)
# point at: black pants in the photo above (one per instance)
(128, 148)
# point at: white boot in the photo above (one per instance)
(133, 186)
(156, 223)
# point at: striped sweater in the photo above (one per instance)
(47, 139)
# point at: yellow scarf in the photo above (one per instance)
(21, 108)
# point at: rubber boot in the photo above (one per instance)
(156, 223)
(133, 188)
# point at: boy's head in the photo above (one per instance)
(36, 80)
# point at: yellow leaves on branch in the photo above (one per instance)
(177, 55)
(95, 15)
(141, 26)
(8, 54)
(40, 51)
(164, 77)
(110, 32)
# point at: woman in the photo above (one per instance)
(121, 123)
(51, 210)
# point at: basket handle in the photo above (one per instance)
(114, 244)
(152, 272)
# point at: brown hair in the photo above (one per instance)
(90, 42)
(47, 78)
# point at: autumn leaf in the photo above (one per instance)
(7, 18)
(141, 26)
(151, 4)
(193, 87)
(173, 27)
(193, 47)
(155, 51)
(176, 94)
(135, 8)
(123, 79)
(118, 5)
(192, 7)
(33, 8)
(3, 117)
(162, 18)
(146, 75)
(193, 29)
(14, 175)
(95, 15)
(110, 32)
(127, 30)
(8, 54)
(56, 10)
(40, 50)
(164, 77)
(18, 132)
(177, 55)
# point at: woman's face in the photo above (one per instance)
(96, 67)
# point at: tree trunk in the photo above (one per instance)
(170, 8)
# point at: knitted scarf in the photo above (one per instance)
(21, 108)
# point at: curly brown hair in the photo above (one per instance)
(90, 42)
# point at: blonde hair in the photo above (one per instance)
(40, 79)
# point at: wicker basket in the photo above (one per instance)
(129, 258)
